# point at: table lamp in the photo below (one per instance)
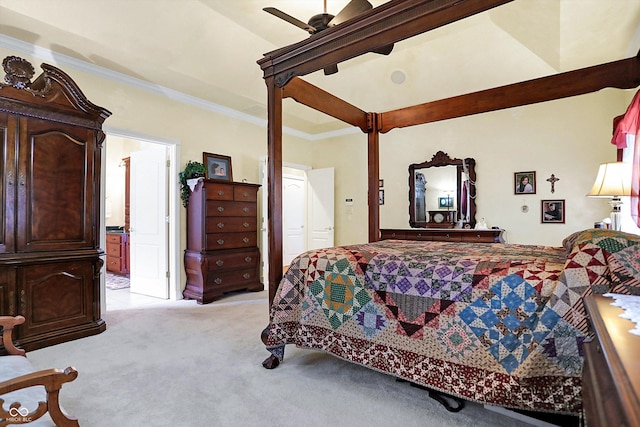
(613, 181)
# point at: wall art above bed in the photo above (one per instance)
(552, 211)
(524, 182)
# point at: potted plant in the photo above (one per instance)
(191, 170)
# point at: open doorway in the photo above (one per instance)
(139, 221)
(308, 211)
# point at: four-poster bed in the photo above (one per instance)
(385, 25)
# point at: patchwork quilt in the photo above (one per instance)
(501, 324)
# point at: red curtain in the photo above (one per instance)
(629, 123)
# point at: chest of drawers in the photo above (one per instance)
(222, 234)
(118, 253)
(444, 235)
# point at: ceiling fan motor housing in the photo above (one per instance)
(320, 21)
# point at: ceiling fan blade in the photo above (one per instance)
(331, 69)
(290, 19)
(354, 8)
(384, 50)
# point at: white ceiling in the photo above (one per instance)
(208, 48)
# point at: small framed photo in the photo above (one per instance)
(218, 166)
(524, 182)
(445, 202)
(381, 196)
(552, 211)
(380, 183)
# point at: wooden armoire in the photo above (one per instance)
(49, 235)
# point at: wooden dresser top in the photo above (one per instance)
(621, 350)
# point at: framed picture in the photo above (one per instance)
(552, 211)
(524, 183)
(218, 166)
(381, 197)
(445, 202)
(380, 183)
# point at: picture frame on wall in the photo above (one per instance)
(445, 202)
(381, 196)
(218, 166)
(524, 182)
(552, 211)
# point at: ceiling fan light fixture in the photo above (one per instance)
(320, 21)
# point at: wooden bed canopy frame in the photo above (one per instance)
(384, 25)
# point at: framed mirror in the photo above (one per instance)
(442, 193)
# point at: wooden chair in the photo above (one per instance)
(28, 387)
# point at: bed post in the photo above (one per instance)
(274, 154)
(373, 139)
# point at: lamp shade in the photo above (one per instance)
(613, 180)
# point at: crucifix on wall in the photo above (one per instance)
(552, 179)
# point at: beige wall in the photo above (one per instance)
(568, 138)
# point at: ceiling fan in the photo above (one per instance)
(322, 21)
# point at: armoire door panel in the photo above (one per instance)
(55, 296)
(54, 190)
(7, 292)
(7, 181)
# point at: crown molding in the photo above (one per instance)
(65, 61)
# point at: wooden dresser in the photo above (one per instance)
(118, 253)
(444, 235)
(222, 253)
(611, 373)
(50, 155)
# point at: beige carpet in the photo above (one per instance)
(200, 365)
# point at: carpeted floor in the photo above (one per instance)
(192, 365)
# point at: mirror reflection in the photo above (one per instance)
(442, 193)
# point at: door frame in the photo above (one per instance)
(173, 147)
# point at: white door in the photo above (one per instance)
(149, 227)
(321, 207)
(264, 228)
(293, 217)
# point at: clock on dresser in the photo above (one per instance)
(441, 219)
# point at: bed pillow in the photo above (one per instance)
(570, 240)
(610, 240)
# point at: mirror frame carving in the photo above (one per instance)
(442, 159)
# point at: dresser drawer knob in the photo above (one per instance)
(245, 194)
(447, 236)
(245, 210)
(245, 224)
(220, 241)
(248, 259)
(221, 225)
(218, 281)
(246, 240)
(220, 193)
(219, 263)
(246, 275)
(220, 209)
